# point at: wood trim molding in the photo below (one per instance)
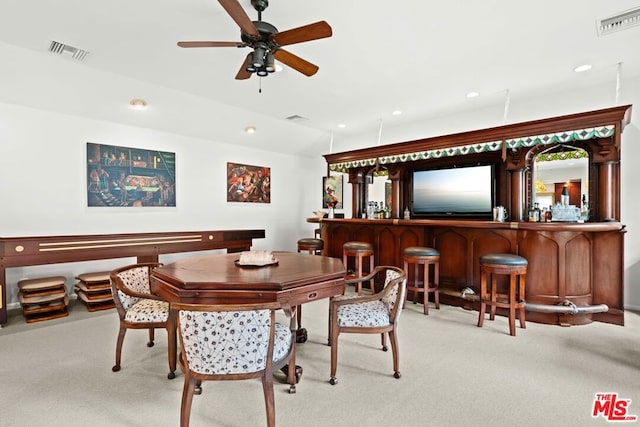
(617, 116)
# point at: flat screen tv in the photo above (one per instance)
(456, 192)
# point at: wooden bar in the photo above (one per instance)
(579, 262)
(40, 250)
(575, 272)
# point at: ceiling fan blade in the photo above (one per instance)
(237, 13)
(318, 30)
(211, 44)
(295, 62)
(243, 74)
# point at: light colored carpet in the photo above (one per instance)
(58, 373)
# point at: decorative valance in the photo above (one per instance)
(602, 124)
(562, 155)
(481, 147)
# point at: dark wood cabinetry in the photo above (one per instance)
(581, 263)
(512, 149)
(575, 264)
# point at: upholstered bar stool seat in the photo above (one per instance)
(311, 245)
(427, 257)
(515, 266)
(359, 250)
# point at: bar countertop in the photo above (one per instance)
(537, 226)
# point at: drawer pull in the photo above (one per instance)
(312, 295)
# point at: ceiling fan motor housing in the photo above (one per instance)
(260, 60)
(265, 29)
(260, 5)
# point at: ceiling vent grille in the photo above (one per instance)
(74, 53)
(296, 118)
(619, 22)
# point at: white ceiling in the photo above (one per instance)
(416, 56)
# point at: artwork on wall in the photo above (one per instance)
(123, 176)
(332, 192)
(247, 183)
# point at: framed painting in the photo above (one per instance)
(332, 192)
(130, 177)
(246, 183)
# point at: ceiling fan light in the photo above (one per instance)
(258, 56)
(262, 72)
(269, 64)
(249, 64)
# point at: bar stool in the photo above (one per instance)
(359, 250)
(427, 257)
(311, 245)
(515, 267)
(314, 247)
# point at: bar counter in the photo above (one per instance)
(578, 265)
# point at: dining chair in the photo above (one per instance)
(232, 342)
(139, 308)
(369, 314)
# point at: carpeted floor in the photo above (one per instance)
(58, 373)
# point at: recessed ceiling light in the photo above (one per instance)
(582, 68)
(138, 104)
(250, 129)
(342, 126)
(472, 94)
(397, 112)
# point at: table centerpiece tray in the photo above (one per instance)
(237, 262)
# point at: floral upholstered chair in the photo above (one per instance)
(138, 308)
(232, 342)
(369, 314)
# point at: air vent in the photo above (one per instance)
(619, 22)
(74, 53)
(296, 118)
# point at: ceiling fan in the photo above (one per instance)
(266, 41)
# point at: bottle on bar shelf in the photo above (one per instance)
(564, 197)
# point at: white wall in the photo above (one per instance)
(43, 191)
